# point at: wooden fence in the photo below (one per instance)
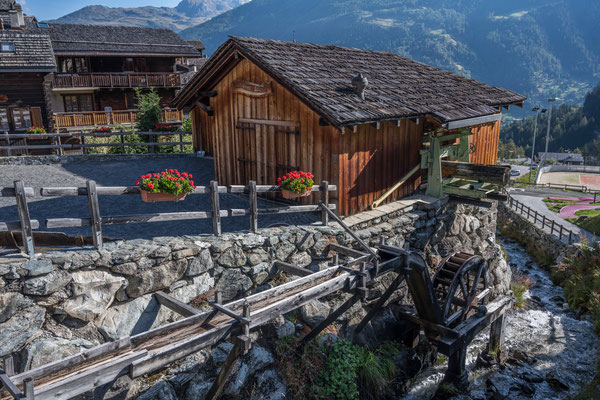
(82, 119)
(96, 221)
(573, 188)
(116, 80)
(17, 143)
(537, 218)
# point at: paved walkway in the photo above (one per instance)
(534, 198)
(125, 173)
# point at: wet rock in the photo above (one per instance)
(92, 293)
(44, 351)
(160, 391)
(202, 263)
(20, 327)
(46, 284)
(37, 267)
(233, 283)
(314, 312)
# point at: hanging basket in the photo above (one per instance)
(288, 194)
(151, 197)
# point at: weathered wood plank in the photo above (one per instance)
(271, 188)
(24, 219)
(329, 320)
(498, 175)
(178, 306)
(215, 207)
(16, 225)
(95, 220)
(271, 122)
(9, 385)
(132, 219)
(345, 250)
(112, 191)
(10, 191)
(291, 269)
(217, 387)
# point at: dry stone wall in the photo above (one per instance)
(68, 300)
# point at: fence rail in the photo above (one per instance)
(96, 220)
(94, 118)
(116, 80)
(535, 217)
(14, 142)
(573, 188)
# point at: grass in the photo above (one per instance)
(519, 285)
(586, 219)
(590, 224)
(525, 178)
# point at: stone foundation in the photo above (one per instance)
(69, 300)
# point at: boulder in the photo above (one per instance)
(44, 351)
(93, 292)
(314, 312)
(37, 267)
(160, 391)
(234, 256)
(10, 303)
(233, 283)
(202, 263)
(198, 285)
(46, 284)
(156, 278)
(256, 359)
(20, 327)
(132, 317)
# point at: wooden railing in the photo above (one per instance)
(11, 144)
(540, 219)
(107, 118)
(26, 225)
(116, 80)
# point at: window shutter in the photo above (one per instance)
(36, 116)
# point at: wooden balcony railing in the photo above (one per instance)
(116, 80)
(107, 118)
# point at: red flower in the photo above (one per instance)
(151, 186)
(163, 173)
(182, 179)
(137, 182)
(192, 183)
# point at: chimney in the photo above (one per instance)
(359, 84)
(16, 16)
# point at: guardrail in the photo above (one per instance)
(117, 80)
(12, 143)
(96, 221)
(573, 188)
(95, 118)
(529, 213)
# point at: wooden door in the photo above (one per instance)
(36, 116)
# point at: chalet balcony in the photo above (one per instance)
(116, 80)
(89, 119)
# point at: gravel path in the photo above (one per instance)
(125, 173)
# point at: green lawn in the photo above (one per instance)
(586, 219)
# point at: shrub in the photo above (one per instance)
(338, 380)
(149, 110)
(519, 285)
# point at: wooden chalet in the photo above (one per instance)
(265, 107)
(98, 68)
(26, 57)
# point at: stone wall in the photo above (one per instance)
(69, 300)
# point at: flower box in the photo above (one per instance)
(288, 194)
(103, 131)
(168, 185)
(154, 197)
(38, 131)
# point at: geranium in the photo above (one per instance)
(102, 129)
(298, 182)
(165, 127)
(34, 129)
(167, 181)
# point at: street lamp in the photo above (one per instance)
(548, 130)
(537, 114)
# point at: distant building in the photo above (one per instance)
(562, 158)
(26, 57)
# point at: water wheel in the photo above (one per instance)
(460, 284)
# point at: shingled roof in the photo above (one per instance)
(398, 87)
(33, 49)
(122, 40)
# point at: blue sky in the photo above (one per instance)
(50, 9)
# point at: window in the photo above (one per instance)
(42, 25)
(73, 65)
(21, 118)
(6, 47)
(4, 119)
(78, 103)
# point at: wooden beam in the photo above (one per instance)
(269, 122)
(291, 269)
(346, 250)
(8, 384)
(207, 109)
(330, 319)
(175, 305)
(234, 355)
(497, 175)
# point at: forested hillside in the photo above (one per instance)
(572, 127)
(539, 48)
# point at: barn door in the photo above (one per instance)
(266, 149)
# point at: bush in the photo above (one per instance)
(149, 110)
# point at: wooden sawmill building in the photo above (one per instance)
(265, 107)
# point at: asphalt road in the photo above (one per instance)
(125, 173)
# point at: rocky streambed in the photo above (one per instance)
(550, 353)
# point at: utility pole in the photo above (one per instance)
(537, 114)
(548, 130)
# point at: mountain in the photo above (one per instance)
(539, 48)
(187, 13)
(572, 127)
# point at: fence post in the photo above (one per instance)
(122, 143)
(7, 138)
(95, 219)
(28, 389)
(24, 218)
(214, 202)
(83, 144)
(181, 142)
(570, 237)
(552, 227)
(535, 216)
(528, 212)
(560, 233)
(543, 222)
(9, 365)
(325, 199)
(253, 206)
(595, 193)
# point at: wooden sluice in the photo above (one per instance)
(450, 317)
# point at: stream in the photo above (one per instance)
(551, 354)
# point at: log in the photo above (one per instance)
(497, 175)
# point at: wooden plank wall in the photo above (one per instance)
(486, 140)
(24, 89)
(373, 160)
(260, 151)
